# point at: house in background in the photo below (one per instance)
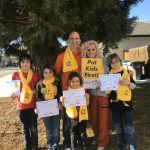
(136, 49)
(9, 61)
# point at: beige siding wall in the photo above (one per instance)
(131, 42)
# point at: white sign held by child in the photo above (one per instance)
(74, 97)
(109, 81)
(7, 88)
(47, 108)
(90, 83)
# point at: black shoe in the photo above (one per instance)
(74, 148)
(49, 148)
(67, 146)
(55, 148)
(81, 147)
(34, 148)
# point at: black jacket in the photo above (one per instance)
(59, 90)
(119, 106)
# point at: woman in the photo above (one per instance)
(98, 99)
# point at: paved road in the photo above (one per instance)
(143, 81)
(6, 78)
(6, 74)
(6, 71)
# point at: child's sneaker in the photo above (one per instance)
(55, 147)
(94, 142)
(100, 148)
(49, 147)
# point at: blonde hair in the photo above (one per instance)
(85, 48)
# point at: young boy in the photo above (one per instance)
(121, 105)
(26, 102)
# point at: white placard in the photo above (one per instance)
(47, 108)
(7, 88)
(74, 97)
(90, 83)
(109, 81)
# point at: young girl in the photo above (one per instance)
(26, 102)
(49, 88)
(78, 115)
(121, 105)
(99, 105)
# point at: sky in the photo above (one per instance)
(142, 11)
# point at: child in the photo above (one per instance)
(121, 105)
(78, 120)
(48, 89)
(26, 102)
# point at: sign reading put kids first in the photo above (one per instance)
(91, 69)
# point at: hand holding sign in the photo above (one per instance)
(124, 82)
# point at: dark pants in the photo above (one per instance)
(66, 130)
(52, 125)
(123, 122)
(78, 137)
(28, 120)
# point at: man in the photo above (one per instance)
(66, 62)
(62, 59)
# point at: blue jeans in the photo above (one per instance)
(28, 120)
(66, 130)
(52, 125)
(123, 122)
